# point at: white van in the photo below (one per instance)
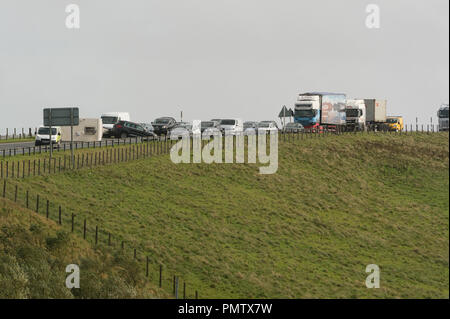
(231, 126)
(43, 136)
(110, 119)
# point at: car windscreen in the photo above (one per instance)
(46, 131)
(162, 121)
(109, 119)
(264, 125)
(207, 124)
(227, 122)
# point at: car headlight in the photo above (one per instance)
(38, 138)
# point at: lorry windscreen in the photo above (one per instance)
(305, 113)
(392, 120)
(443, 114)
(109, 119)
(352, 112)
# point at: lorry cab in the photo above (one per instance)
(112, 118)
(355, 111)
(43, 136)
(442, 114)
(395, 123)
(307, 111)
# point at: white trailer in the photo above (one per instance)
(376, 114)
(88, 130)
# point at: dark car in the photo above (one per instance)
(125, 129)
(163, 125)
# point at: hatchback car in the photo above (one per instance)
(181, 130)
(267, 126)
(163, 125)
(125, 129)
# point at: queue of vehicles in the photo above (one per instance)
(313, 111)
(334, 111)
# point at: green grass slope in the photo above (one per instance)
(335, 205)
(35, 253)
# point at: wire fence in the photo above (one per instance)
(98, 236)
(61, 162)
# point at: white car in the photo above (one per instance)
(231, 126)
(267, 127)
(181, 130)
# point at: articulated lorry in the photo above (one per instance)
(443, 118)
(355, 111)
(376, 114)
(321, 110)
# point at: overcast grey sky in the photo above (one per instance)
(218, 58)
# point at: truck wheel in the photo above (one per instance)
(124, 135)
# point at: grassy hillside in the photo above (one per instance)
(335, 205)
(35, 253)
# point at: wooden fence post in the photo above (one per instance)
(174, 278)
